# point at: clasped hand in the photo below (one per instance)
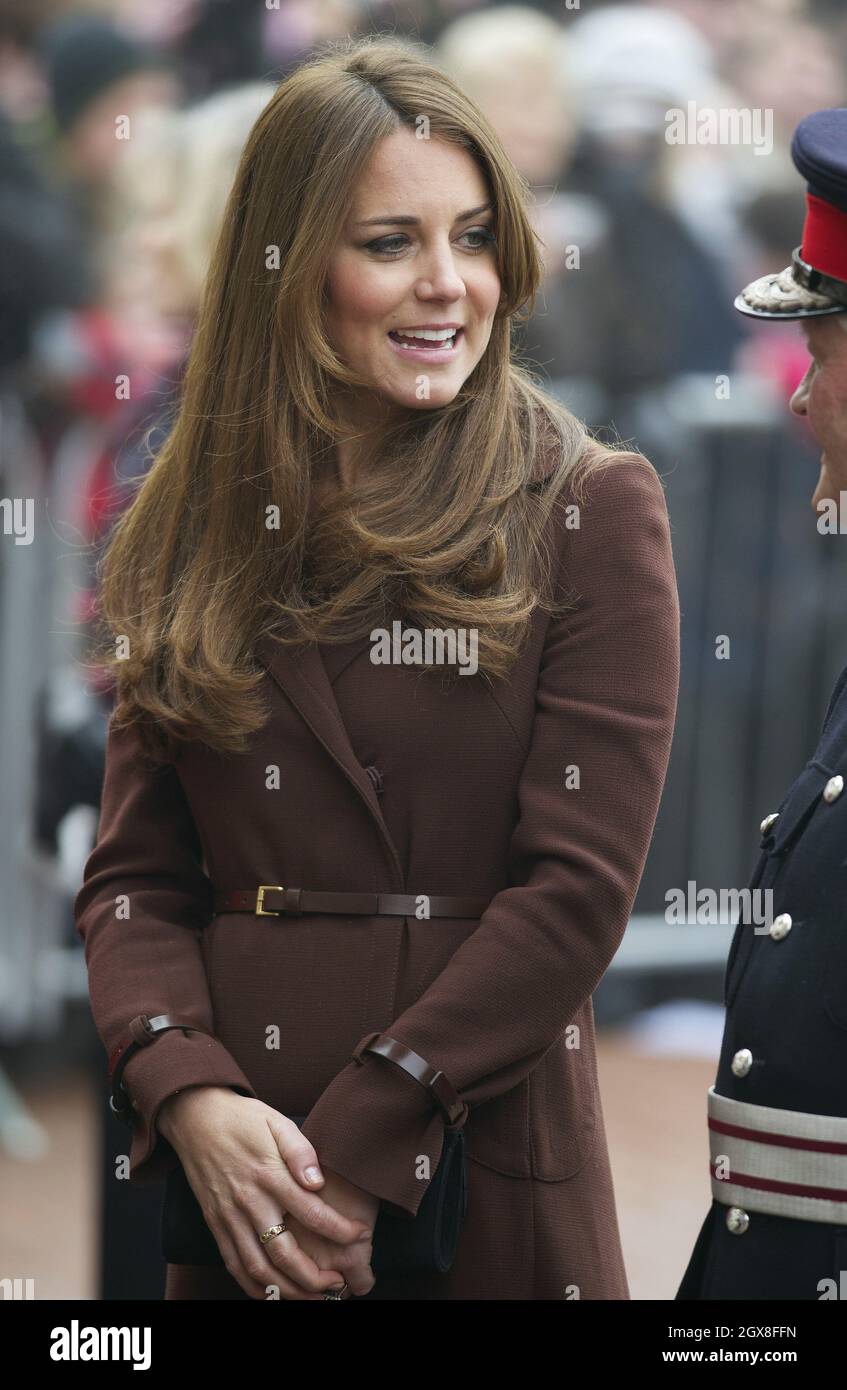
(248, 1166)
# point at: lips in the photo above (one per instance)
(427, 349)
(412, 340)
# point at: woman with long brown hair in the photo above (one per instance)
(396, 651)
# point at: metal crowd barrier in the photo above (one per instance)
(30, 927)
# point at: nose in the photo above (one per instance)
(440, 279)
(799, 401)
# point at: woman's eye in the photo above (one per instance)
(385, 244)
(388, 245)
(488, 237)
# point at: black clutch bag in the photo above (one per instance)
(424, 1244)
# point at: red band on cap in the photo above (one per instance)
(825, 238)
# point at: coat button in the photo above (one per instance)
(742, 1062)
(781, 926)
(833, 788)
(768, 822)
(737, 1221)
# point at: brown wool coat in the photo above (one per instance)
(474, 800)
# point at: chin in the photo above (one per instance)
(825, 490)
(440, 396)
(437, 400)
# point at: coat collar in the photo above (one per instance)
(300, 674)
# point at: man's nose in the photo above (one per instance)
(799, 400)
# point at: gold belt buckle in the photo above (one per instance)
(260, 900)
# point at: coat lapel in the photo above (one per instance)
(301, 675)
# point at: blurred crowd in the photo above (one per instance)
(121, 124)
(120, 128)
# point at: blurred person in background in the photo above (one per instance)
(98, 81)
(726, 24)
(582, 113)
(294, 29)
(778, 59)
(23, 87)
(768, 58)
(44, 265)
(632, 65)
(46, 279)
(100, 78)
(777, 1112)
(512, 61)
(787, 65)
(509, 57)
(170, 193)
(168, 196)
(831, 15)
(212, 43)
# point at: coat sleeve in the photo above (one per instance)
(605, 701)
(144, 900)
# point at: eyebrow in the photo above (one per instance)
(390, 220)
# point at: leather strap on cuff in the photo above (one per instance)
(418, 1068)
(142, 1031)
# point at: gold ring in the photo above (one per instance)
(272, 1231)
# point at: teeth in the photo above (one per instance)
(435, 335)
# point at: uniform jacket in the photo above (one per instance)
(786, 1002)
(478, 777)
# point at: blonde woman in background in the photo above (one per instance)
(168, 200)
(166, 205)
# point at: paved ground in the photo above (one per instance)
(655, 1121)
(48, 1207)
(655, 1113)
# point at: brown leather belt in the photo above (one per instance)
(273, 900)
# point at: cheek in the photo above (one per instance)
(827, 414)
(486, 290)
(359, 298)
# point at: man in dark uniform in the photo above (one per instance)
(777, 1113)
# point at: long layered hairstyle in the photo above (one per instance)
(233, 535)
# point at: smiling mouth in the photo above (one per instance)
(408, 341)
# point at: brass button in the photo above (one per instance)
(737, 1221)
(742, 1062)
(768, 822)
(833, 788)
(781, 926)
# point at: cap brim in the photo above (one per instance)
(780, 296)
(787, 313)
